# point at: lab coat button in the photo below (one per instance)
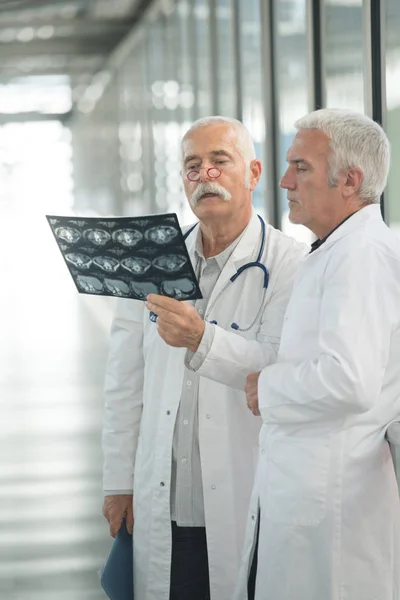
(168, 412)
(213, 487)
(162, 484)
(185, 422)
(189, 383)
(263, 451)
(184, 460)
(208, 416)
(253, 517)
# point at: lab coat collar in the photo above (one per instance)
(367, 213)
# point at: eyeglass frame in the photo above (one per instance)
(207, 171)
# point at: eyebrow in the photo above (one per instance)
(297, 161)
(213, 153)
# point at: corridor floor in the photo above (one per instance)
(53, 537)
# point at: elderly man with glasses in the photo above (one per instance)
(180, 444)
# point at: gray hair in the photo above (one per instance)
(356, 142)
(245, 144)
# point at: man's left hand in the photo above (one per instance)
(251, 389)
(179, 323)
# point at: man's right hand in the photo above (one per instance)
(115, 508)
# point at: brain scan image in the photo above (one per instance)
(98, 237)
(136, 265)
(68, 234)
(170, 263)
(81, 261)
(163, 234)
(106, 263)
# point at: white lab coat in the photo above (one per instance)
(143, 388)
(325, 484)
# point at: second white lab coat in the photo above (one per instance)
(325, 484)
(143, 389)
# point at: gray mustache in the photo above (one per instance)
(209, 188)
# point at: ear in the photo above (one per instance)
(255, 173)
(353, 182)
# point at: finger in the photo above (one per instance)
(115, 526)
(168, 304)
(170, 329)
(169, 338)
(129, 520)
(162, 314)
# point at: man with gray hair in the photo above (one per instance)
(325, 490)
(177, 430)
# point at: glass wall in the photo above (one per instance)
(392, 209)
(225, 57)
(202, 61)
(251, 75)
(194, 58)
(343, 56)
(291, 51)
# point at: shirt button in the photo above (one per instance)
(213, 487)
(189, 383)
(184, 460)
(185, 422)
(208, 416)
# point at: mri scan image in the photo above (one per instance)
(126, 257)
(142, 288)
(117, 287)
(163, 234)
(81, 261)
(90, 285)
(136, 265)
(127, 237)
(106, 263)
(169, 263)
(68, 234)
(178, 288)
(99, 237)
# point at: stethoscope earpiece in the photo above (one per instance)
(235, 326)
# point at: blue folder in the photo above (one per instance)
(117, 574)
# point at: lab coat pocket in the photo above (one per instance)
(296, 482)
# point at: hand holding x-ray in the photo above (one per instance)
(179, 323)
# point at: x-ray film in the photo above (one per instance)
(126, 257)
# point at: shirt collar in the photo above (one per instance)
(222, 258)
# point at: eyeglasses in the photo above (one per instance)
(212, 173)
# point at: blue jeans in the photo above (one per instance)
(189, 565)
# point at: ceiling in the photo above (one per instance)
(45, 43)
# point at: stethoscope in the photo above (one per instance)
(257, 263)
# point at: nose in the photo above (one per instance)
(204, 176)
(287, 182)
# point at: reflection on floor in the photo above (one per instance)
(53, 538)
